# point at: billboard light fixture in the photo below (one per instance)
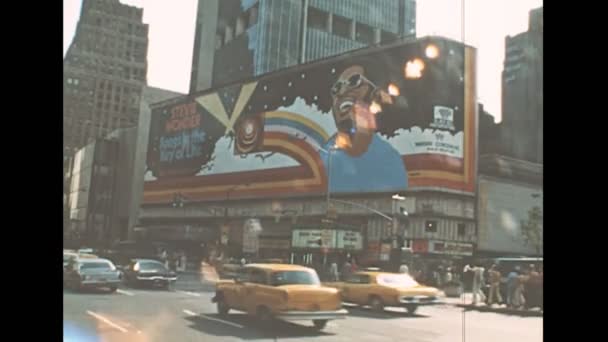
(393, 90)
(431, 51)
(413, 68)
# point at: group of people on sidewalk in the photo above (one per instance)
(175, 261)
(523, 288)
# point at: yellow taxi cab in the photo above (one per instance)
(381, 289)
(280, 291)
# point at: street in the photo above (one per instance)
(187, 314)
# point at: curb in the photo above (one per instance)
(531, 313)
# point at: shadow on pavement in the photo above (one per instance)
(364, 312)
(98, 291)
(252, 329)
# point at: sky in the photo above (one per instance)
(487, 23)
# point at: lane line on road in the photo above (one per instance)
(189, 293)
(125, 292)
(188, 312)
(223, 321)
(107, 321)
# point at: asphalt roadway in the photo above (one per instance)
(186, 314)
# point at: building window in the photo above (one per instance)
(241, 23)
(364, 33)
(219, 41)
(461, 229)
(386, 36)
(253, 16)
(318, 19)
(430, 226)
(228, 34)
(341, 27)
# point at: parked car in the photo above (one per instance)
(279, 291)
(84, 273)
(382, 289)
(70, 256)
(149, 272)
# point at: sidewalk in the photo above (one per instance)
(465, 301)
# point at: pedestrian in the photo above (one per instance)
(404, 269)
(333, 272)
(494, 276)
(184, 261)
(448, 276)
(512, 285)
(532, 288)
(347, 270)
(164, 258)
(540, 287)
(467, 277)
(478, 282)
(518, 300)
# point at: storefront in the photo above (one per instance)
(432, 256)
(320, 246)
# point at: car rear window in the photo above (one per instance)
(151, 266)
(96, 265)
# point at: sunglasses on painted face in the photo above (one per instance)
(352, 82)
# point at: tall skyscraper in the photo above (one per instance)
(104, 71)
(522, 92)
(237, 39)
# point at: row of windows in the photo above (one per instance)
(117, 8)
(430, 226)
(346, 28)
(110, 21)
(238, 27)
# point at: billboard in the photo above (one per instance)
(503, 206)
(378, 120)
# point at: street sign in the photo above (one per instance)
(327, 237)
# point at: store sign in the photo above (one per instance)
(330, 238)
(450, 248)
(350, 240)
(273, 243)
(251, 231)
(306, 238)
(420, 246)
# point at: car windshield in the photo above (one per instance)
(396, 280)
(294, 278)
(97, 265)
(151, 266)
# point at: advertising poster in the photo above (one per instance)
(392, 107)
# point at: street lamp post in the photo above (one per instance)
(332, 149)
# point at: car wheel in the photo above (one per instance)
(376, 303)
(222, 307)
(320, 323)
(263, 314)
(411, 309)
